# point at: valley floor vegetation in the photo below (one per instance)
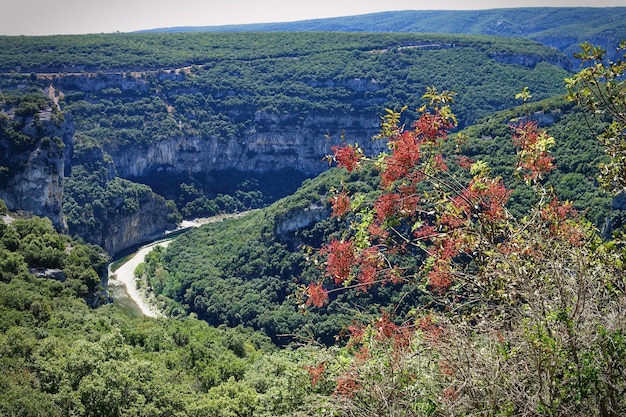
(60, 357)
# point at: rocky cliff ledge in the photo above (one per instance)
(107, 210)
(531, 60)
(270, 149)
(36, 153)
(33, 154)
(119, 229)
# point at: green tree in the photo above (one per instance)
(600, 87)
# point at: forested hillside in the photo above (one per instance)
(136, 52)
(563, 28)
(59, 357)
(219, 122)
(460, 259)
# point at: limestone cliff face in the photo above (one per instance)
(301, 147)
(127, 230)
(299, 219)
(119, 229)
(36, 152)
(100, 81)
(111, 212)
(39, 187)
(34, 181)
(530, 60)
(287, 225)
(616, 219)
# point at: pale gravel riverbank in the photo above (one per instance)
(125, 275)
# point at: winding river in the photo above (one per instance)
(122, 283)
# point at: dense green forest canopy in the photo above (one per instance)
(211, 84)
(134, 52)
(59, 357)
(563, 28)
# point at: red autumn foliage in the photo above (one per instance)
(376, 231)
(413, 161)
(557, 212)
(425, 232)
(482, 195)
(347, 386)
(559, 217)
(386, 328)
(445, 368)
(340, 204)
(504, 297)
(406, 154)
(439, 163)
(446, 249)
(440, 277)
(367, 276)
(317, 296)
(403, 204)
(447, 219)
(432, 126)
(534, 159)
(385, 206)
(465, 162)
(357, 333)
(316, 372)
(340, 260)
(449, 394)
(347, 156)
(429, 328)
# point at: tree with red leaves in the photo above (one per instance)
(524, 314)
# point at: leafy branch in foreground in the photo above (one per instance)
(517, 315)
(600, 87)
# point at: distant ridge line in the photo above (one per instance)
(355, 22)
(564, 28)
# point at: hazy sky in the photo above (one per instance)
(46, 17)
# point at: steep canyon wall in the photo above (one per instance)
(34, 158)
